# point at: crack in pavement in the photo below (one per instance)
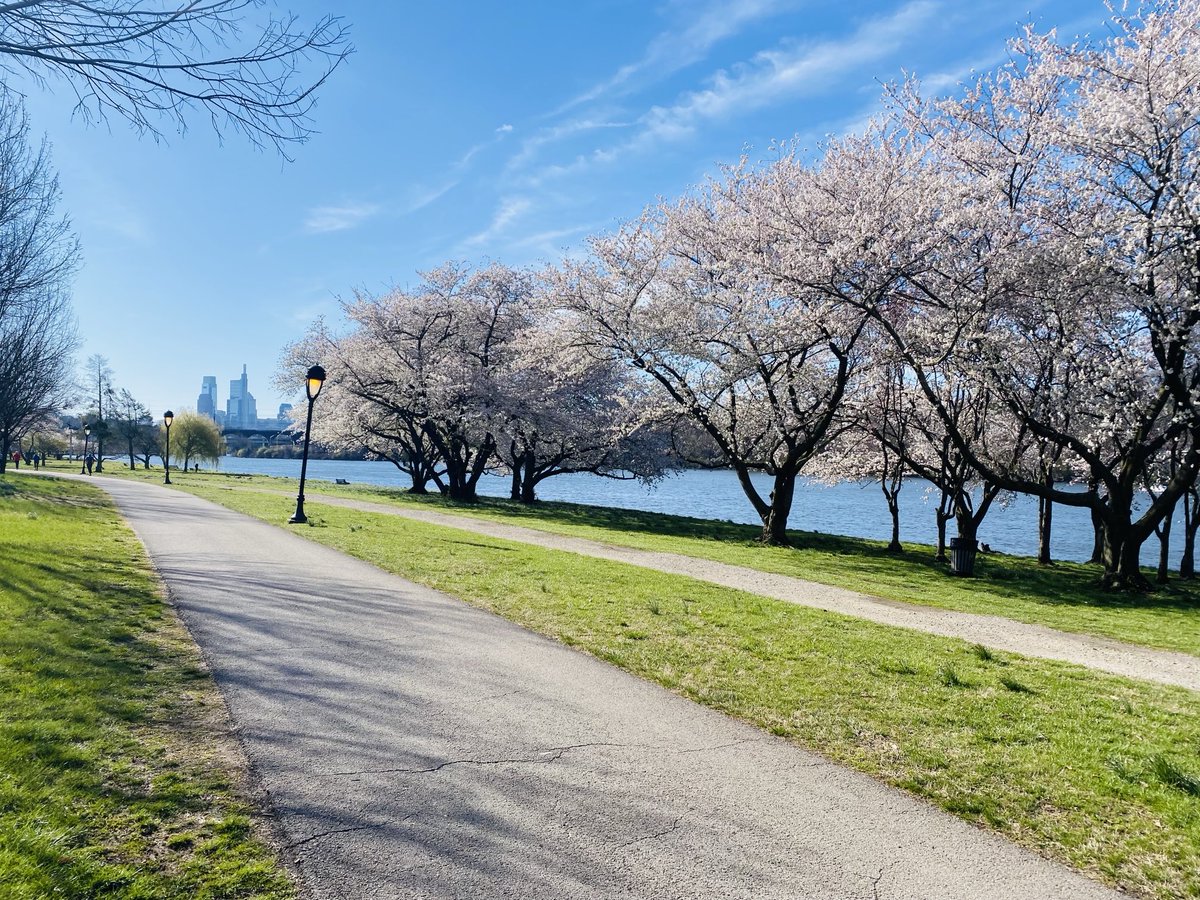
(543, 757)
(650, 837)
(332, 831)
(321, 834)
(551, 754)
(878, 878)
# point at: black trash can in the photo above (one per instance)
(962, 557)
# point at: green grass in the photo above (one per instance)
(117, 776)
(1066, 596)
(1093, 770)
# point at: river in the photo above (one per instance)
(851, 509)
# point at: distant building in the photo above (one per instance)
(206, 403)
(241, 411)
(285, 417)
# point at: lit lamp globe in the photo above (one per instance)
(313, 382)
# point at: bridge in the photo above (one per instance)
(268, 435)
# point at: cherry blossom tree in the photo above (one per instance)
(1033, 243)
(567, 410)
(680, 294)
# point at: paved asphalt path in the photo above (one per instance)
(997, 632)
(413, 746)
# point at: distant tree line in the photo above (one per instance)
(996, 293)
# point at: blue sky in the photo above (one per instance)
(474, 131)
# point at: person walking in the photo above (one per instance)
(36, 459)
(90, 459)
(16, 458)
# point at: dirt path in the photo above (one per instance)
(1104, 654)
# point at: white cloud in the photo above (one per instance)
(555, 240)
(425, 196)
(531, 146)
(323, 219)
(510, 209)
(504, 129)
(776, 75)
(677, 48)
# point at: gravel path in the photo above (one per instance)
(1104, 654)
(414, 746)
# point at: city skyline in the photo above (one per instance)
(241, 406)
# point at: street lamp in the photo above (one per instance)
(312, 386)
(168, 418)
(87, 430)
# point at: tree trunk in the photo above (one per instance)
(1045, 525)
(966, 525)
(892, 495)
(419, 481)
(5, 444)
(517, 461)
(1191, 523)
(1121, 557)
(943, 516)
(132, 459)
(1164, 548)
(1097, 527)
(529, 481)
(774, 531)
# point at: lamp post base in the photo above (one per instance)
(298, 517)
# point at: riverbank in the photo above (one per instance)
(854, 509)
(119, 775)
(1065, 596)
(1100, 772)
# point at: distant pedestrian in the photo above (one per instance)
(16, 458)
(37, 460)
(90, 459)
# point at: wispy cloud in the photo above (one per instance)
(423, 197)
(510, 209)
(676, 49)
(769, 78)
(556, 239)
(532, 145)
(777, 75)
(323, 219)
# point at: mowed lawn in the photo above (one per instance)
(1099, 772)
(118, 775)
(1065, 595)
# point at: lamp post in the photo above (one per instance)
(312, 386)
(87, 430)
(168, 418)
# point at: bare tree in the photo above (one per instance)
(36, 348)
(149, 61)
(129, 419)
(98, 383)
(38, 255)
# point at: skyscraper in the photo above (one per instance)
(206, 403)
(242, 409)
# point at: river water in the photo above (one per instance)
(855, 509)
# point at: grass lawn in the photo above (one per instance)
(1094, 770)
(1064, 596)
(118, 777)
